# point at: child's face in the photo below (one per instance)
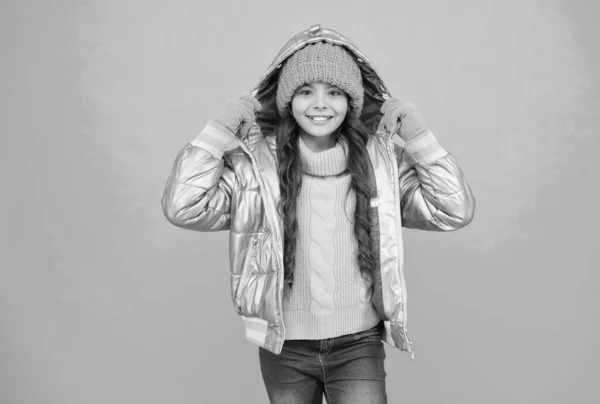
(319, 108)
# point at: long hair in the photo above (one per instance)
(290, 182)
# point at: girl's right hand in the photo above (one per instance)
(238, 114)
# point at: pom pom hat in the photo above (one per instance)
(325, 62)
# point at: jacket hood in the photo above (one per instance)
(375, 91)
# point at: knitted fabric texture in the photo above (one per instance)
(329, 297)
(323, 62)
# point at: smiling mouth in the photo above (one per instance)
(319, 119)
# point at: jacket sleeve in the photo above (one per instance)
(433, 190)
(199, 190)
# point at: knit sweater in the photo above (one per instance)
(329, 296)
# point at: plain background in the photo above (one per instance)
(103, 301)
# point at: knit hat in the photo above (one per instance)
(324, 62)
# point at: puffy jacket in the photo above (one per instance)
(418, 186)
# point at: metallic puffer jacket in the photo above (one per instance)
(240, 193)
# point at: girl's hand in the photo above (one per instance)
(398, 114)
(238, 114)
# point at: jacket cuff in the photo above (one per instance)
(424, 148)
(215, 138)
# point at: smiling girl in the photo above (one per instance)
(305, 175)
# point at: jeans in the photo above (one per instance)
(347, 369)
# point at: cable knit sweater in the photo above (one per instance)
(329, 296)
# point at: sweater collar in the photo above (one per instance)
(325, 163)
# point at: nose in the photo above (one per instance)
(319, 100)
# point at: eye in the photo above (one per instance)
(335, 93)
(304, 91)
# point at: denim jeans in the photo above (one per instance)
(347, 370)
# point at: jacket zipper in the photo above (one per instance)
(272, 219)
(394, 182)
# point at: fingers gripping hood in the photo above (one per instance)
(375, 91)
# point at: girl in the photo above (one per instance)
(306, 177)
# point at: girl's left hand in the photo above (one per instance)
(404, 116)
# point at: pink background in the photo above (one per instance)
(103, 301)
